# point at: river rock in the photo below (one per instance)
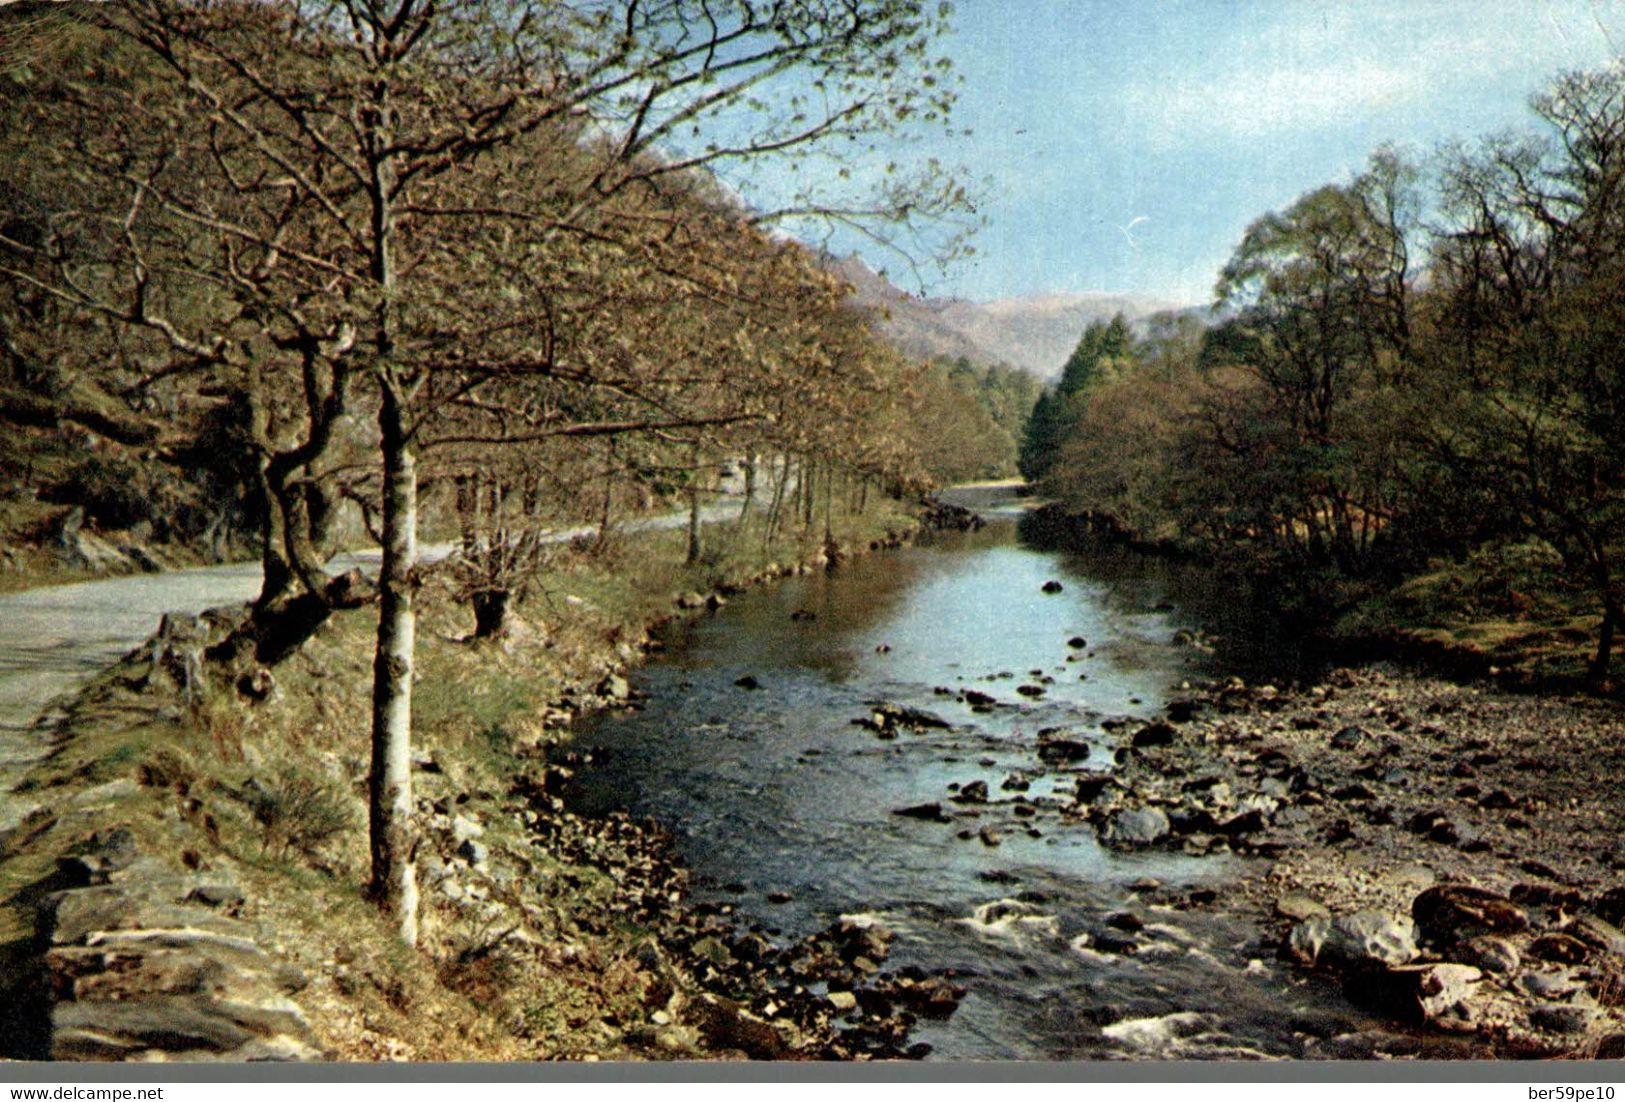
(1136, 827)
(1549, 985)
(1052, 586)
(726, 1024)
(1564, 1018)
(1436, 993)
(1300, 907)
(1349, 738)
(1611, 905)
(1060, 751)
(614, 687)
(1114, 941)
(932, 812)
(1363, 939)
(1154, 734)
(1371, 937)
(748, 682)
(1092, 787)
(1307, 939)
(1598, 933)
(1493, 954)
(1559, 948)
(1182, 711)
(902, 715)
(973, 793)
(1447, 913)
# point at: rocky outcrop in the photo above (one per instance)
(82, 549)
(143, 962)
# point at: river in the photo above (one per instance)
(784, 808)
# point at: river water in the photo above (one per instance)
(773, 792)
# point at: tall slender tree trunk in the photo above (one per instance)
(809, 480)
(695, 547)
(750, 488)
(779, 472)
(394, 876)
(1613, 619)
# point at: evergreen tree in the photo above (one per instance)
(1099, 355)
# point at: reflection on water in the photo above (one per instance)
(774, 790)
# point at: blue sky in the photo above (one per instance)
(1128, 143)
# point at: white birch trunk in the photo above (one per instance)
(394, 875)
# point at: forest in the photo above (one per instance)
(1412, 374)
(274, 275)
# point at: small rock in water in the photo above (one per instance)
(1077, 642)
(748, 682)
(989, 836)
(931, 812)
(1052, 586)
(973, 793)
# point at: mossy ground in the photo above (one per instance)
(1510, 608)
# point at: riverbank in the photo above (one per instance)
(1447, 854)
(1506, 614)
(188, 881)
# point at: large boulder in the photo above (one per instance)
(1361, 940)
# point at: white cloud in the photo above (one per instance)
(1255, 105)
(1305, 71)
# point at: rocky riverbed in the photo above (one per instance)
(1449, 854)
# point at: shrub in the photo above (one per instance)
(299, 811)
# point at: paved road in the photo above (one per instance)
(54, 640)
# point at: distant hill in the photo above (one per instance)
(1035, 333)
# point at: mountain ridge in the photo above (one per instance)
(1035, 333)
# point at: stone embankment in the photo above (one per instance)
(144, 961)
